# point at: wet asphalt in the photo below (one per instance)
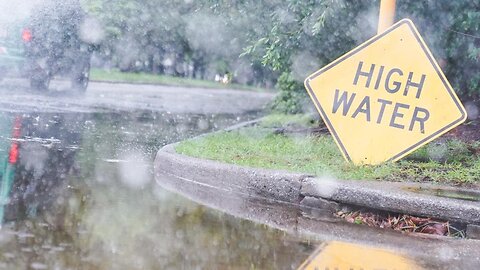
(16, 95)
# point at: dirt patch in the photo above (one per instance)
(468, 132)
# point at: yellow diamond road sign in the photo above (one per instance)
(385, 98)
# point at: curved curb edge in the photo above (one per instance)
(301, 188)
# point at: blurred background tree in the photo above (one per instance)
(266, 42)
(196, 39)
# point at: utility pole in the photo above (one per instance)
(387, 15)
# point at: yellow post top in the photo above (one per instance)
(386, 16)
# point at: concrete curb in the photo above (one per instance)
(279, 185)
(311, 191)
(395, 197)
(320, 225)
(324, 193)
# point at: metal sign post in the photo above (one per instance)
(386, 16)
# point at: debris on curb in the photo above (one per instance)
(402, 222)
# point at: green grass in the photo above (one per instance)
(130, 77)
(282, 120)
(441, 161)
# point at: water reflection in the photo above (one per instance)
(82, 197)
(38, 162)
(338, 255)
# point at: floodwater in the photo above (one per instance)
(78, 192)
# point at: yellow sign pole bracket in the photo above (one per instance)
(386, 16)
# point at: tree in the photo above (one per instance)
(306, 35)
(449, 28)
(183, 38)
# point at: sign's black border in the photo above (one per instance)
(312, 257)
(361, 47)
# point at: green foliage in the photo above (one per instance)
(449, 151)
(291, 97)
(304, 36)
(451, 29)
(325, 29)
(182, 38)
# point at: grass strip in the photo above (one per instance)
(146, 78)
(448, 161)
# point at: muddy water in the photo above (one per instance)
(78, 193)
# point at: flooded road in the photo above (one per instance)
(79, 194)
